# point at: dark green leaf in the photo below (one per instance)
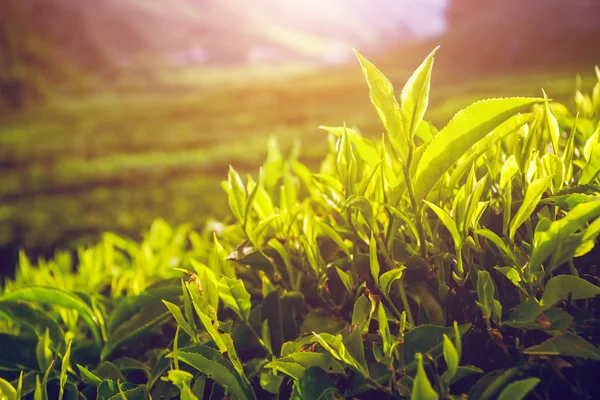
(519, 389)
(315, 384)
(563, 287)
(567, 344)
(215, 366)
(428, 339)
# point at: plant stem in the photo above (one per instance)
(260, 341)
(403, 297)
(417, 210)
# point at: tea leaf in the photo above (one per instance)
(237, 194)
(422, 389)
(565, 287)
(182, 380)
(562, 229)
(26, 316)
(567, 344)
(179, 318)
(452, 359)
(64, 370)
(56, 297)
(149, 317)
(590, 173)
(373, 260)
(415, 96)
(382, 97)
(216, 367)
(7, 391)
(233, 293)
(465, 129)
(43, 352)
(362, 313)
(387, 278)
(449, 223)
(519, 389)
(315, 384)
(534, 193)
(323, 361)
(428, 339)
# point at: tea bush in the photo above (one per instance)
(427, 264)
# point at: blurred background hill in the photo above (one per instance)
(114, 112)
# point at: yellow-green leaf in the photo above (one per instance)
(463, 132)
(415, 96)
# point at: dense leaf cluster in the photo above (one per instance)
(428, 264)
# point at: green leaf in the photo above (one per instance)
(494, 238)
(463, 371)
(560, 230)
(315, 384)
(387, 278)
(339, 351)
(333, 235)
(428, 339)
(588, 241)
(431, 310)
(7, 391)
(43, 352)
(64, 368)
(212, 328)
(345, 278)
(415, 96)
(362, 313)
(88, 377)
(56, 297)
(422, 389)
(26, 316)
(465, 129)
(291, 369)
(534, 193)
(308, 359)
(452, 359)
(382, 97)
(216, 367)
(529, 315)
(373, 260)
(384, 329)
(486, 292)
(508, 171)
(149, 317)
(127, 307)
(236, 194)
(567, 344)
(271, 383)
(179, 318)
(448, 223)
(565, 287)
(41, 390)
(233, 293)
(511, 273)
(281, 311)
(589, 174)
(182, 380)
(364, 206)
(519, 389)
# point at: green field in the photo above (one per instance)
(115, 160)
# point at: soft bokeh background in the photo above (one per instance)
(114, 112)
